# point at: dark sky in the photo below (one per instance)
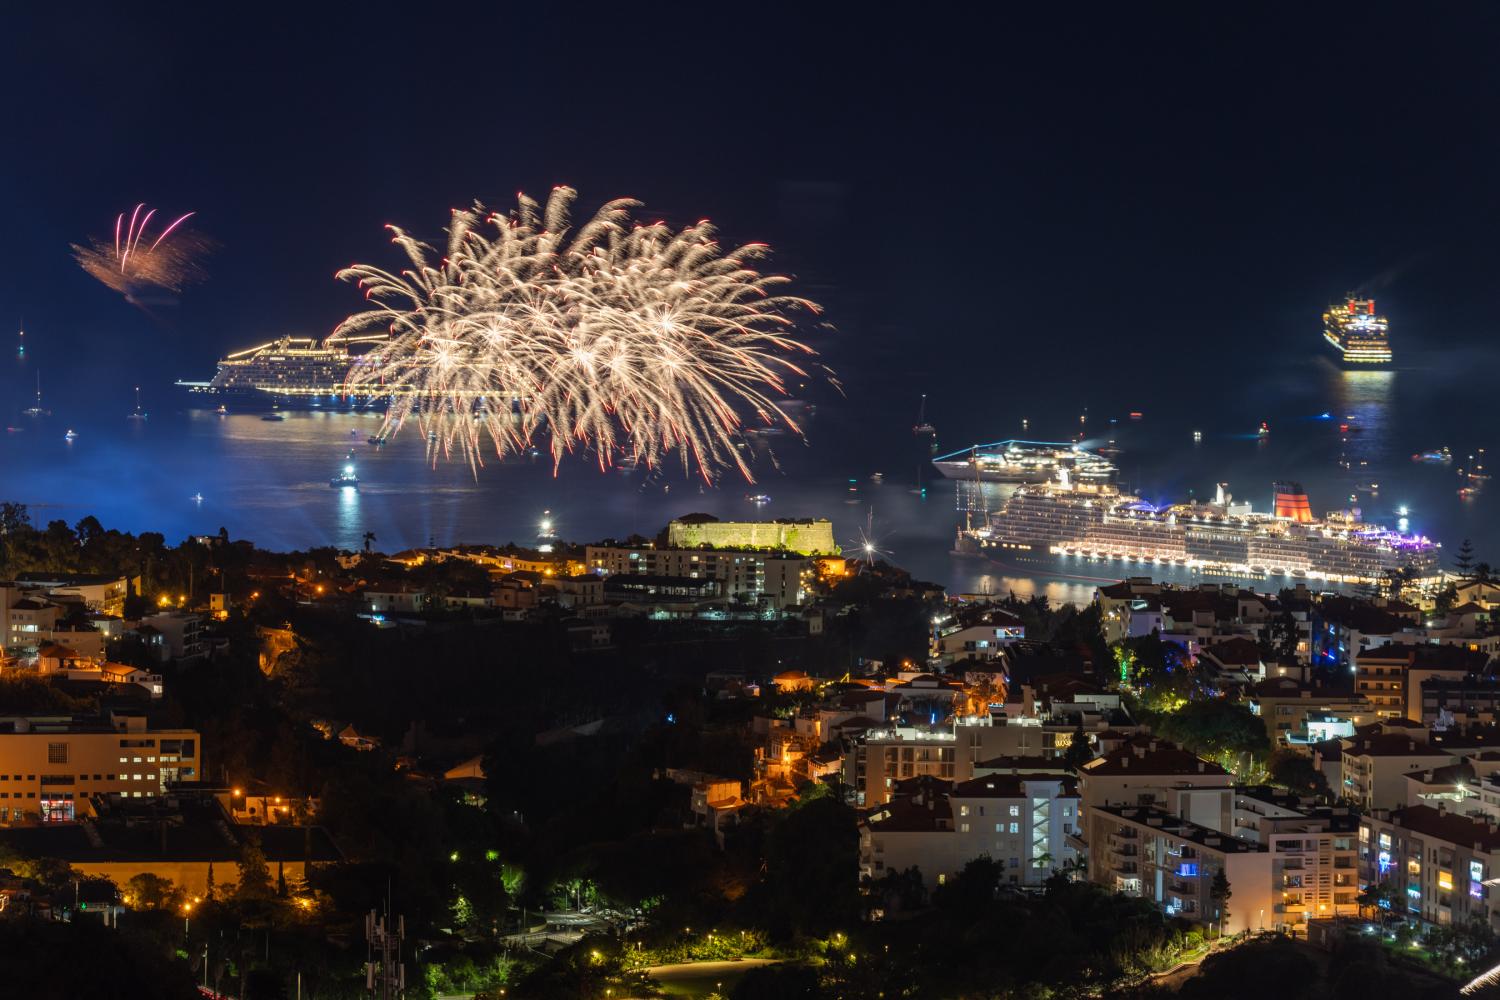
(972, 189)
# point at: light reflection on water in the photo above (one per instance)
(268, 480)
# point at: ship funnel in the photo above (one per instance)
(1291, 503)
(1063, 478)
(1221, 496)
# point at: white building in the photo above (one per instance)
(1022, 821)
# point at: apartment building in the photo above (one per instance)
(1314, 856)
(1150, 772)
(1148, 852)
(51, 765)
(1022, 821)
(1373, 767)
(1437, 861)
(1391, 675)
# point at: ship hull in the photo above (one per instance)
(1354, 363)
(965, 470)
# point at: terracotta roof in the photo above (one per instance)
(908, 816)
(1455, 829)
(1391, 745)
(1426, 656)
(1004, 786)
(1451, 774)
(1238, 652)
(1151, 757)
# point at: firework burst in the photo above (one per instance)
(134, 262)
(624, 338)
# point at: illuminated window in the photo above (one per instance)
(1445, 881)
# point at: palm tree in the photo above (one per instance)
(369, 537)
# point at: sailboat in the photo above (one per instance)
(138, 414)
(21, 341)
(38, 410)
(922, 426)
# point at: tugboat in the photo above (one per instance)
(347, 479)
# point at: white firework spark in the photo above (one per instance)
(626, 338)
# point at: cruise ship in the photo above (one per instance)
(289, 371)
(1016, 461)
(1096, 521)
(1360, 337)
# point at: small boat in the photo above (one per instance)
(38, 410)
(272, 417)
(222, 410)
(759, 499)
(1477, 472)
(376, 439)
(137, 413)
(923, 425)
(196, 498)
(1368, 487)
(346, 479)
(71, 435)
(1265, 429)
(1111, 450)
(1440, 456)
(877, 477)
(1197, 437)
(1468, 492)
(1137, 415)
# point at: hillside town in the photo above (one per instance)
(566, 767)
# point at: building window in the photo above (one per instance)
(1015, 828)
(57, 753)
(1015, 810)
(963, 828)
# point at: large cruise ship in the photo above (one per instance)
(1361, 338)
(1025, 462)
(290, 371)
(1095, 521)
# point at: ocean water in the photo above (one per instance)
(268, 481)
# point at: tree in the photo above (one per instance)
(208, 890)
(1445, 600)
(255, 874)
(1220, 728)
(369, 538)
(1463, 559)
(281, 890)
(1295, 772)
(1080, 751)
(812, 867)
(1219, 892)
(148, 891)
(1284, 636)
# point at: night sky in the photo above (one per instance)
(969, 192)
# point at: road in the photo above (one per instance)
(705, 970)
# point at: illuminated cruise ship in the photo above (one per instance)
(1360, 337)
(1095, 521)
(1025, 462)
(288, 371)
